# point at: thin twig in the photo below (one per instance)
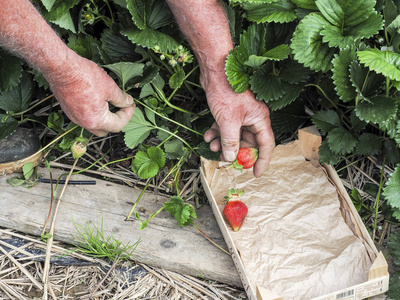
(104, 278)
(46, 270)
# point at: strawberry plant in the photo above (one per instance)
(347, 53)
(334, 64)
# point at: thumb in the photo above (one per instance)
(121, 99)
(230, 139)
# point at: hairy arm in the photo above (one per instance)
(241, 120)
(82, 88)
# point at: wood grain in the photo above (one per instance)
(163, 243)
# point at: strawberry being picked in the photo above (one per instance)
(235, 211)
(245, 159)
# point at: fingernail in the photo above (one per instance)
(129, 100)
(229, 155)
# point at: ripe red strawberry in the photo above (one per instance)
(235, 211)
(246, 158)
(78, 148)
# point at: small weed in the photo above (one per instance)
(92, 242)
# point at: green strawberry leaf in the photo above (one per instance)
(289, 118)
(150, 38)
(391, 191)
(326, 155)
(266, 85)
(16, 181)
(326, 120)
(11, 71)
(86, 46)
(291, 93)
(342, 13)
(282, 11)
(382, 62)
(341, 74)
(28, 170)
(183, 213)
(293, 72)
(147, 89)
(7, 125)
(150, 72)
(394, 26)
(252, 42)
(357, 125)
(126, 71)
(369, 144)
(55, 121)
(280, 52)
(174, 149)
(176, 80)
(48, 4)
(391, 151)
(366, 82)
(380, 109)
(17, 99)
(348, 21)
(394, 249)
(137, 129)
(307, 45)
(117, 47)
(203, 149)
(341, 141)
(237, 73)
(254, 1)
(307, 4)
(149, 13)
(147, 164)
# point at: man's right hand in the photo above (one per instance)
(241, 121)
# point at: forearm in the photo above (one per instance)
(204, 23)
(25, 33)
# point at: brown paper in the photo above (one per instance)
(294, 240)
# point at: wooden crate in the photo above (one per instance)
(309, 142)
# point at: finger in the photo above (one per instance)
(230, 138)
(266, 142)
(120, 99)
(212, 133)
(215, 145)
(115, 122)
(248, 139)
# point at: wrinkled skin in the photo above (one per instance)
(85, 94)
(241, 121)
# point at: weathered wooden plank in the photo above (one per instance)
(163, 243)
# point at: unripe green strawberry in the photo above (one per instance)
(235, 211)
(245, 159)
(78, 148)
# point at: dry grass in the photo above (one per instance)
(22, 270)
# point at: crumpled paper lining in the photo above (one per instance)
(294, 240)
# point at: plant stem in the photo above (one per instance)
(168, 119)
(378, 196)
(214, 243)
(155, 214)
(167, 101)
(138, 199)
(33, 106)
(323, 93)
(177, 136)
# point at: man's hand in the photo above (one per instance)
(240, 118)
(84, 91)
(82, 88)
(241, 121)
